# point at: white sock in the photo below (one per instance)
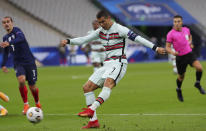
(1, 107)
(103, 96)
(90, 99)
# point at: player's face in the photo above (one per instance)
(104, 22)
(95, 25)
(7, 24)
(177, 23)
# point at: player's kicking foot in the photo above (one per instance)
(92, 124)
(86, 113)
(179, 94)
(4, 97)
(38, 105)
(199, 87)
(3, 112)
(26, 107)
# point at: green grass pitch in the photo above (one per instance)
(144, 100)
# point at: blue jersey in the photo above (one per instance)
(18, 47)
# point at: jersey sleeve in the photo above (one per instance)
(127, 33)
(19, 37)
(82, 40)
(169, 37)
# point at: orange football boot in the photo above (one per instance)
(3, 112)
(26, 107)
(38, 105)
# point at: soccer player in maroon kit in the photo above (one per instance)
(14, 42)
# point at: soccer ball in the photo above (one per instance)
(34, 114)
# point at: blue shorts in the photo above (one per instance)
(30, 71)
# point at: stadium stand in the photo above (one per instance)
(37, 34)
(63, 15)
(195, 8)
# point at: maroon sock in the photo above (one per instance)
(35, 94)
(23, 90)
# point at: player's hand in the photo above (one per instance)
(5, 69)
(192, 46)
(63, 42)
(161, 50)
(4, 44)
(175, 53)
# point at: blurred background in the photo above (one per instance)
(46, 22)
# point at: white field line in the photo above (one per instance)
(138, 114)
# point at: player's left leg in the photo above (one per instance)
(35, 93)
(104, 94)
(31, 74)
(196, 64)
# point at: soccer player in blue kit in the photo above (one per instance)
(14, 42)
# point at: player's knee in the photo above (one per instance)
(110, 83)
(181, 77)
(89, 86)
(32, 87)
(21, 81)
(199, 68)
(86, 88)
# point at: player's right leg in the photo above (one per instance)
(20, 74)
(23, 91)
(178, 89)
(92, 84)
(114, 72)
(88, 88)
(181, 64)
(3, 111)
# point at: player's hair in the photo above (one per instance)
(178, 16)
(9, 18)
(102, 13)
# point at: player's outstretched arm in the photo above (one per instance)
(81, 40)
(63, 43)
(161, 50)
(137, 38)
